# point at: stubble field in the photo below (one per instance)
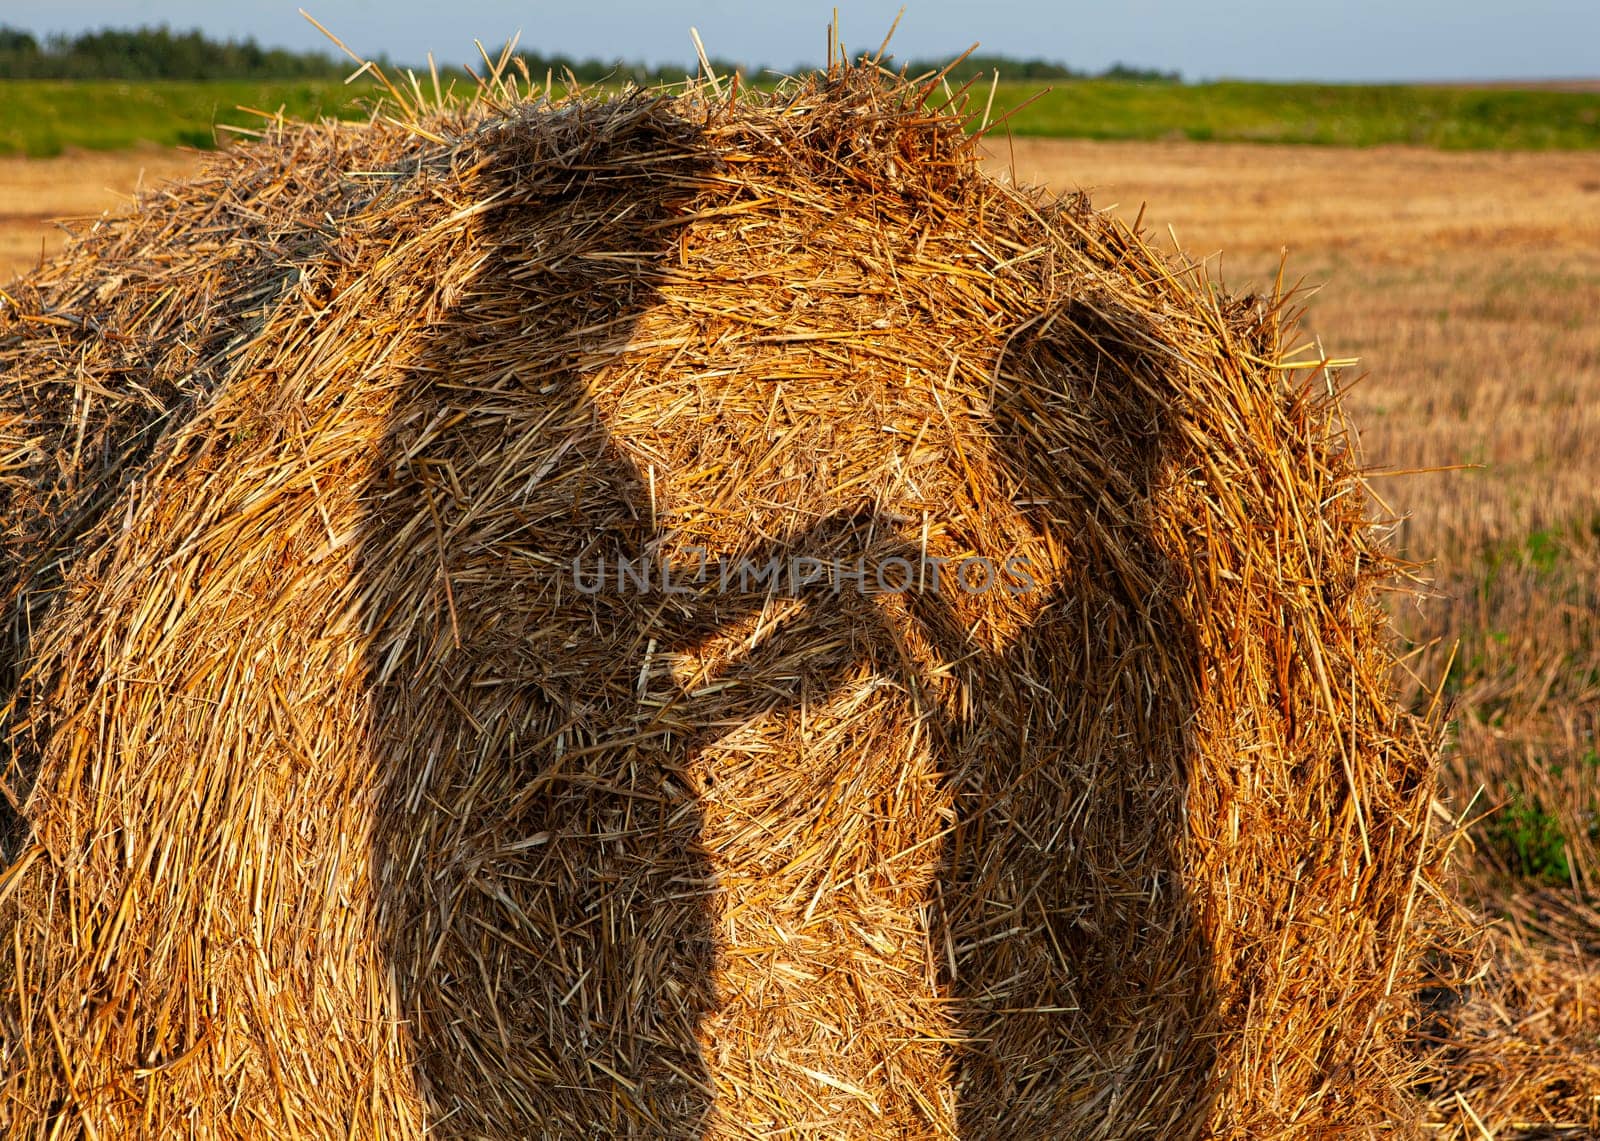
(1468, 284)
(36, 192)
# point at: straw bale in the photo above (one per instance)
(347, 807)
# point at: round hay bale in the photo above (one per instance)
(685, 615)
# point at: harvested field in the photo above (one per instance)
(35, 192)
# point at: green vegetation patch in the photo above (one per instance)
(44, 117)
(1331, 114)
(1531, 841)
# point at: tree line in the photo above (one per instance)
(984, 67)
(161, 53)
(153, 53)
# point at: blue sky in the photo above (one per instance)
(1268, 39)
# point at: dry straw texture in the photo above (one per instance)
(346, 812)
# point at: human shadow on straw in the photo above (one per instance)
(1081, 982)
(544, 896)
(545, 899)
(540, 883)
(1081, 975)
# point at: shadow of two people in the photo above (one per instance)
(548, 898)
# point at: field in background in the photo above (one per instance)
(1352, 115)
(42, 117)
(34, 193)
(1469, 285)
